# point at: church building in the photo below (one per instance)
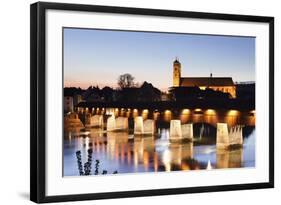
(223, 84)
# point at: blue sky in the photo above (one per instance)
(98, 57)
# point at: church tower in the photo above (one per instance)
(176, 73)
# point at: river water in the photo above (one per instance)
(122, 152)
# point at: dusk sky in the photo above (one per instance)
(98, 57)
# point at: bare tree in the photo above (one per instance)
(126, 81)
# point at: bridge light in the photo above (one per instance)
(185, 111)
(198, 110)
(167, 112)
(135, 113)
(211, 112)
(167, 115)
(145, 111)
(233, 112)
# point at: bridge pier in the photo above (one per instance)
(187, 131)
(117, 124)
(227, 139)
(138, 125)
(144, 127)
(95, 121)
(121, 123)
(110, 123)
(148, 127)
(180, 132)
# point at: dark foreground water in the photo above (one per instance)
(124, 153)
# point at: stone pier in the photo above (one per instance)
(138, 125)
(143, 127)
(116, 124)
(72, 121)
(175, 130)
(121, 123)
(110, 124)
(148, 127)
(179, 132)
(187, 131)
(95, 121)
(229, 138)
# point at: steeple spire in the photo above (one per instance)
(176, 61)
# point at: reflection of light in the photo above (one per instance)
(185, 111)
(85, 133)
(116, 109)
(87, 143)
(122, 153)
(232, 112)
(155, 159)
(185, 167)
(167, 160)
(208, 150)
(69, 137)
(129, 155)
(146, 160)
(136, 160)
(209, 166)
(210, 112)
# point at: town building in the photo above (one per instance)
(222, 84)
(68, 104)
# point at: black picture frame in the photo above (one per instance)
(38, 100)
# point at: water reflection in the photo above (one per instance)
(127, 153)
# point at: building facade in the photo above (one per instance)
(68, 104)
(222, 84)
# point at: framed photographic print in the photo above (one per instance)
(129, 102)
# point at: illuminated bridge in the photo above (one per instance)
(233, 112)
